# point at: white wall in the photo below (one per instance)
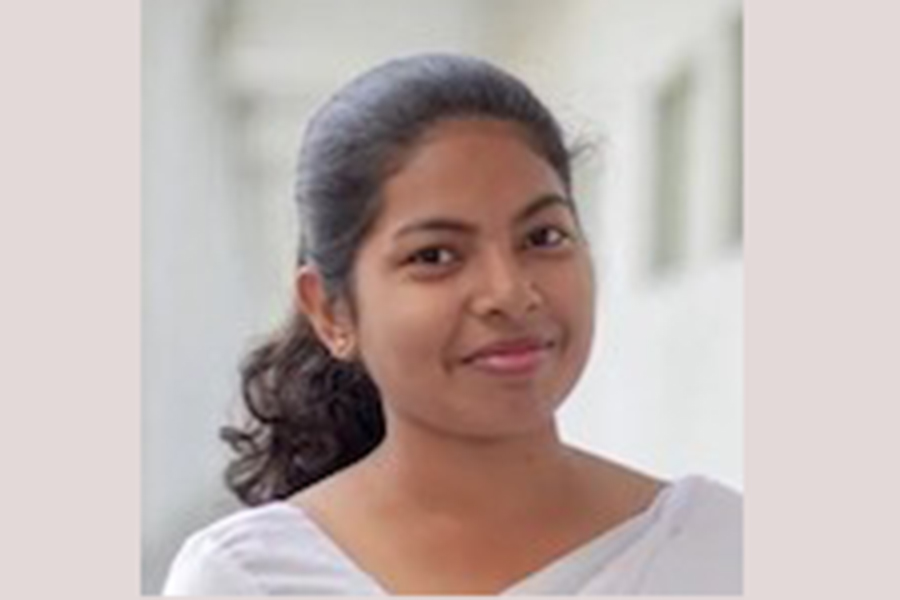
(195, 304)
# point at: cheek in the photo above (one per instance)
(405, 335)
(570, 283)
(573, 300)
(585, 297)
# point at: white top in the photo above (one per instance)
(689, 541)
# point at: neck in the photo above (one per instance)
(470, 478)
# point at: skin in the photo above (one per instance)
(472, 483)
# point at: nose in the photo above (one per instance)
(504, 287)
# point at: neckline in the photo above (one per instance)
(665, 496)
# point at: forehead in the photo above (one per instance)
(472, 168)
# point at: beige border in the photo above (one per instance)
(69, 325)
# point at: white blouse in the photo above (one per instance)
(688, 541)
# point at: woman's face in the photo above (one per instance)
(473, 291)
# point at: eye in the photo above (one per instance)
(432, 256)
(547, 236)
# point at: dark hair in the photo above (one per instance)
(310, 414)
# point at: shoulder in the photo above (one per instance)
(702, 521)
(709, 510)
(256, 551)
(706, 515)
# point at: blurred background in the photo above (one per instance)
(654, 85)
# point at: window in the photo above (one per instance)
(735, 214)
(674, 108)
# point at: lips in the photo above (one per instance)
(514, 356)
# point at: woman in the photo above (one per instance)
(402, 435)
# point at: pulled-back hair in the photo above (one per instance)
(309, 414)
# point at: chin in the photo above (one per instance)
(511, 418)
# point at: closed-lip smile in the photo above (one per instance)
(511, 356)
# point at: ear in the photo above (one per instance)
(331, 320)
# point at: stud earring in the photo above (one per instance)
(341, 347)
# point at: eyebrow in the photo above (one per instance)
(539, 204)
